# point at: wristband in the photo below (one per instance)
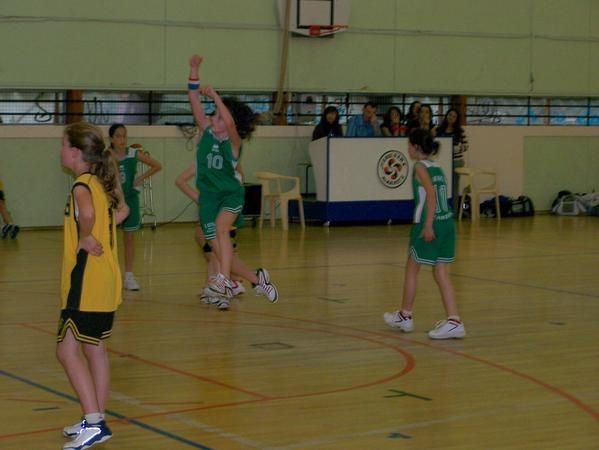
(192, 84)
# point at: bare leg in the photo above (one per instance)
(224, 246)
(97, 359)
(410, 284)
(72, 360)
(129, 240)
(240, 270)
(441, 275)
(4, 213)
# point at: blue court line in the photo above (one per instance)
(115, 414)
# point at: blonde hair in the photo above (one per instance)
(88, 138)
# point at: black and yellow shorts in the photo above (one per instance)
(87, 327)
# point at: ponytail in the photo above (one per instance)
(107, 171)
(88, 138)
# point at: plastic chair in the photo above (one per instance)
(470, 180)
(272, 192)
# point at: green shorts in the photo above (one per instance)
(439, 250)
(133, 220)
(212, 203)
(87, 327)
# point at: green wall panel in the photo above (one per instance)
(69, 54)
(561, 17)
(347, 62)
(461, 65)
(470, 16)
(108, 10)
(561, 67)
(373, 14)
(248, 12)
(466, 46)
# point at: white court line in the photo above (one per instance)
(179, 418)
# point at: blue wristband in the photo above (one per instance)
(192, 85)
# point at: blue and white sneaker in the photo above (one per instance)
(89, 435)
(71, 431)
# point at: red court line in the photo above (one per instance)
(29, 433)
(560, 392)
(189, 374)
(410, 364)
(587, 409)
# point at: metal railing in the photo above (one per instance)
(164, 108)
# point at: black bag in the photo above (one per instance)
(522, 207)
(487, 208)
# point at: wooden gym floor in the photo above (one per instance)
(320, 369)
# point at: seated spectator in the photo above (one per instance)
(393, 123)
(425, 118)
(412, 117)
(328, 125)
(365, 125)
(451, 127)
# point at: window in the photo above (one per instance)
(22, 107)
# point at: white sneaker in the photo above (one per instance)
(448, 329)
(237, 288)
(89, 435)
(130, 283)
(223, 303)
(219, 286)
(209, 299)
(265, 287)
(398, 320)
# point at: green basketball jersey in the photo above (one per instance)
(128, 171)
(215, 165)
(442, 210)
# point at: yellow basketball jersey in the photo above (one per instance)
(90, 283)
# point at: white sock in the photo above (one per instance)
(94, 418)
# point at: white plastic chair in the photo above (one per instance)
(470, 181)
(272, 192)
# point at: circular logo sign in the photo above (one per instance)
(392, 169)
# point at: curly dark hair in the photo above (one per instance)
(424, 139)
(245, 119)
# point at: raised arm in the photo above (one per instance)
(193, 84)
(226, 116)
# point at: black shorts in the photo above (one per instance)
(2, 195)
(87, 327)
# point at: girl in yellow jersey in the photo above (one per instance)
(91, 279)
